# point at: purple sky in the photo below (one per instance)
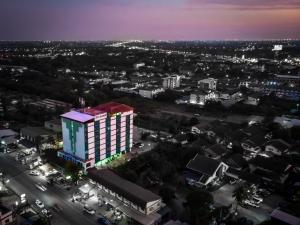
(149, 19)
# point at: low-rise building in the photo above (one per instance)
(252, 100)
(7, 136)
(51, 104)
(208, 84)
(203, 171)
(36, 134)
(6, 216)
(141, 204)
(150, 92)
(171, 82)
(201, 97)
(277, 146)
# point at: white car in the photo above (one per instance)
(34, 173)
(39, 204)
(251, 203)
(89, 210)
(257, 200)
(47, 213)
(40, 187)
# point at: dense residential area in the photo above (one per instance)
(140, 132)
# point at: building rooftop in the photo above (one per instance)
(110, 107)
(125, 188)
(36, 131)
(203, 165)
(285, 217)
(77, 116)
(280, 144)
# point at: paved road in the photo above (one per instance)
(223, 197)
(238, 119)
(21, 182)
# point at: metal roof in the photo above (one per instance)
(125, 188)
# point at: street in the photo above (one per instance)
(238, 119)
(223, 197)
(20, 182)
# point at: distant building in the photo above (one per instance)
(54, 125)
(6, 216)
(7, 136)
(52, 105)
(208, 84)
(91, 136)
(171, 82)
(36, 134)
(150, 92)
(253, 99)
(138, 65)
(277, 48)
(200, 97)
(138, 203)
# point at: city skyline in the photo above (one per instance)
(149, 20)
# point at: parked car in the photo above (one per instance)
(103, 221)
(256, 199)
(40, 187)
(89, 210)
(39, 204)
(47, 213)
(34, 173)
(251, 203)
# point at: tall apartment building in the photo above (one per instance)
(208, 84)
(171, 82)
(91, 136)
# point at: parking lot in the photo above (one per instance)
(96, 202)
(258, 212)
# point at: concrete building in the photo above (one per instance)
(208, 84)
(253, 99)
(91, 136)
(171, 82)
(200, 97)
(36, 134)
(7, 136)
(6, 216)
(136, 202)
(150, 92)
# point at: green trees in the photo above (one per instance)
(72, 170)
(240, 194)
(167, 194)
(199, 203)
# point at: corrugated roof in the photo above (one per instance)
(125, 188)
